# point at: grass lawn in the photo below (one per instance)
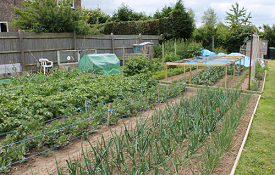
(258, 156)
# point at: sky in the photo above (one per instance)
(262, 11)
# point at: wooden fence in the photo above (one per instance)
(27, 48)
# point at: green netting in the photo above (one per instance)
(5, 81)
(99, 63)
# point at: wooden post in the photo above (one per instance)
(86, 107)
(163, 56)
(184, 73)
(197, 67)
(166, 73)
(109, 113)
(191, 74)
(240, 68)
(112, 43)
(74, 40)
(225, 76)
(139, 35)
(123, 56)
(175, 48)
(21, 39)
(234, 72)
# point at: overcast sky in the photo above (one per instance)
(262, 11)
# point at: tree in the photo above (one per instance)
(209, 17)
(239, 24)
(269, 34)
(238, 19)
(182, 22)
(191, 13)
(208, 30)
(95, 16)
(125, 13)
(46, 16)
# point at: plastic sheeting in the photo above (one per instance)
(244, 62)
(99, 64)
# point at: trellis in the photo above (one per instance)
(210, 60)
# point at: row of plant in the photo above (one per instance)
(33, 134)
(210, 76)
(165, 142)
(259, 72)
(42, 97)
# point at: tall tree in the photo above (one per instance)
(182, 22)
(206, 32)
(269, 34)
(46, 16)
(239, 24)
(209, 17)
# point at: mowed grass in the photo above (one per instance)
(258, 156)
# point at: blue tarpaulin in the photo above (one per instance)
(245, 61)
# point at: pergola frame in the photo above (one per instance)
(198, 61)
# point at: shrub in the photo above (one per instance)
(141, 64)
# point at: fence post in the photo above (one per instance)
(21, 38)
(190, 74)
(109, 113)
(123, 55)
(74, 44)
(163, 54)
(139, 38)
(86, 107)
(112, 43)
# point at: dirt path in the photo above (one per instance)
(43, 165)
(226, 164)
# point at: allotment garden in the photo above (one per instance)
(168, 131)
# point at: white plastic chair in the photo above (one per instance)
(45, 63)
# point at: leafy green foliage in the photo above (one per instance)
(125, 13)
(46, 16)
(95, 16)
(141, 64)
(185, 49)
(182, 22)
(41, 98)
(208, 76)
(170, 72)
(172, 23)
(269, 34)
(38, 136)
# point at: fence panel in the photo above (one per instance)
(27, 48)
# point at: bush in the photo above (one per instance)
(141, 64)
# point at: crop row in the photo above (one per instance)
(33, 134)
(165, 142)
(41, 98)
(210, 76)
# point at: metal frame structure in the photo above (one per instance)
(210, 60)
